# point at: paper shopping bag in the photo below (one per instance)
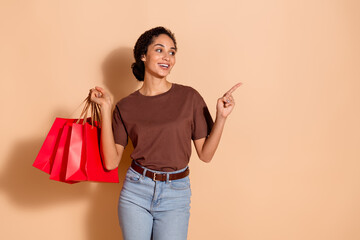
(76, 161)
(47, 152)
(94, 165)
(84, 160)
(59, 166)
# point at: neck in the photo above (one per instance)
(153, 86)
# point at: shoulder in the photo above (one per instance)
(187, 90)
(190, 95)
(129, 100)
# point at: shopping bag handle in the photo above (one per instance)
(94, 111)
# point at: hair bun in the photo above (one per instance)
(138, 70)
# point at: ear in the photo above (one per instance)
(143, 58)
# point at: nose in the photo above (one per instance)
(166, 56)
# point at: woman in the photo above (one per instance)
(161, 119)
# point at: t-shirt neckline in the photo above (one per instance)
(158, 95)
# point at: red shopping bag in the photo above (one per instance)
(84, 161)
(94, 166)
(59, 165)
(47, 152)
(75, 169)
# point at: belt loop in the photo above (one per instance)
(144, 173)
(167, 178)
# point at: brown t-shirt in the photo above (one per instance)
(161, 127)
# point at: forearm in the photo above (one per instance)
(109, 153)
(211, 143)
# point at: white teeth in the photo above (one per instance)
(164, 65)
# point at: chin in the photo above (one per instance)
(162, 74)
(159, 73)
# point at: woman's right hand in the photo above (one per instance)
(100, 96)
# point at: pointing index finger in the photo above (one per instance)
(233, 88)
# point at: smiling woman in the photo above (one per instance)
(161, 119)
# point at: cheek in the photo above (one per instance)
(150, 60)
(156, 58)
(172, 65)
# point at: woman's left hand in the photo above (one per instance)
(226, 103)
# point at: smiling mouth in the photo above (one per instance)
(166, 66)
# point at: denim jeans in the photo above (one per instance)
(155, 210)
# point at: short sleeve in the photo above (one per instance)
(118, 127)
(202, 120)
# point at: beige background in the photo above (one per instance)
(287, 167)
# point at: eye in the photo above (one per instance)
(172, 53)
(158, 50)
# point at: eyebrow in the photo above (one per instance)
(159, 44)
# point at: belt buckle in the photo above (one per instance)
(154, 178)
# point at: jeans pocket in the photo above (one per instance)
(180, 184)
(133, 176)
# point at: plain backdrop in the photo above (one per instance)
(287, 167)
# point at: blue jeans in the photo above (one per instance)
(155, 210)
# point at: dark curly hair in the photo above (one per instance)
(141, 47)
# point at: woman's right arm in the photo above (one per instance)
(111, 153)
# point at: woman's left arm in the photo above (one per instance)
(206, 147)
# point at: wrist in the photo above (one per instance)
(220, 118)
(105, 108)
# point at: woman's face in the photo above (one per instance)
(160, 56)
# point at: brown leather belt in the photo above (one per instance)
(160, 176)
